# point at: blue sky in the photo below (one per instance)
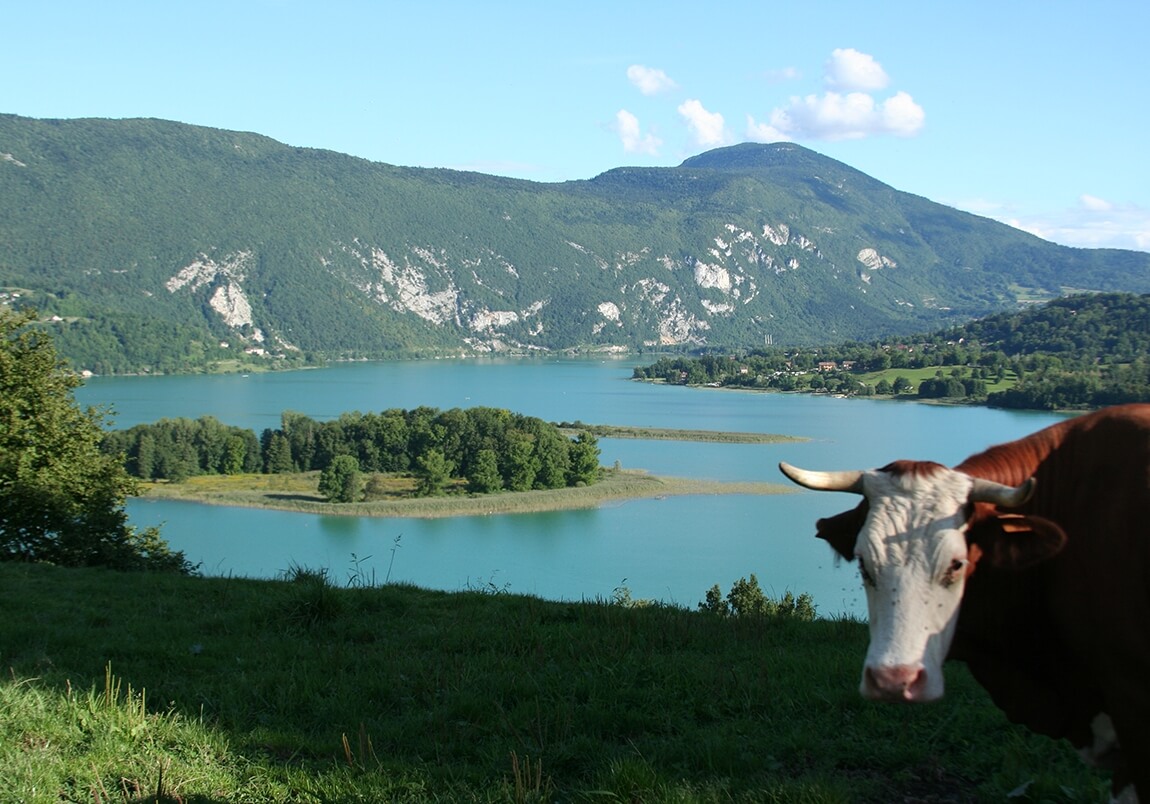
(1034, 113)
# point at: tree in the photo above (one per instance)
(61, 497)
(235, 450)
(340, 481)
(433, 470)
(485, 477)
(553, 453)
(584, 467)
(146, 457)
(277, 453)
(521, 463)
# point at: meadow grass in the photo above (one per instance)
(142, 687)
(918, 375)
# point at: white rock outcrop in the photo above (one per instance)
(228, 299)
(871, 259)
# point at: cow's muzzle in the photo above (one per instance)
(906, 683)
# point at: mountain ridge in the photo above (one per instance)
(232, 237)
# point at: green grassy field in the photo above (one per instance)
(916, 376)
(320, 688)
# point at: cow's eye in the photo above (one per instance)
(953, 572)
(868, 579)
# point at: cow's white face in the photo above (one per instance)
(911, 542)
(913, 559)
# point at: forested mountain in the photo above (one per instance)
(151, 244)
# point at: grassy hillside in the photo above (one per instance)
(323, 688)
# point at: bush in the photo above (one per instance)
(746, 599)
(340, 481)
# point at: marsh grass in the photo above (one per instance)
(678, 434)
(298, 492)
(131, 688)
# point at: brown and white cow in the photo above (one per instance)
(1031, 563)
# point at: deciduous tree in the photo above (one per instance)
(61, 497)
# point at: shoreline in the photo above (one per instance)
(617, 486)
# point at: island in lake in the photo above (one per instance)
(298, 491)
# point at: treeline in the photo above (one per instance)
(790, 371)
(488, 449)
(1076, 352)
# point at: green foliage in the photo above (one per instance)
(276, 450)
(314, 599)
(484, 477)
(746, 599)
(490, 449)
(175, 449)
(584, 463)
(340, 480)
(61, 497)
(433, 471)
(98, 217)
(1078, 352)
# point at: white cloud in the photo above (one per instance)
(630, 133)
(649, 80)
(707, 128)
(848, 110)
(763, 132)
(1094, 203)
(901, 116)
(849, 70)
(834, 116)
(1093, 223)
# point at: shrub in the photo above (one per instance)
(746, 599)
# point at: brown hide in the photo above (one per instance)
(1055, 618)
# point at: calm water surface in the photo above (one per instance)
(672, 549)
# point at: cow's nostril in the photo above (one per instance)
(895, 682)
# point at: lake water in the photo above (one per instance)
(671, 549)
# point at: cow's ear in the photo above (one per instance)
(1015, 541)
(842, 530)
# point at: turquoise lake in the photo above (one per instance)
(671, 549)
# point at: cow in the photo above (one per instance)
(1030, 562)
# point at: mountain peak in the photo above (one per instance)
(752, 155)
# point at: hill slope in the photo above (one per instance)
(299, 691)
(140, 233)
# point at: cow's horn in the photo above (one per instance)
(851, 481)
(988, 491)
